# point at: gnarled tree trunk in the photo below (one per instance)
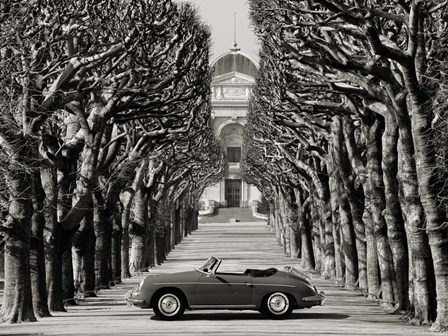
(84, 255)
(324, 205)
(393, 215)
(17, 300)
(421, 272)
(316, 233)
(339, 258)
(354, 198)
(116, 247)
(52, 238)
(37, 254)
(103, 233)
(435, 215)
(139, 232)
(347, 237)
(377, 207)
(373, 277)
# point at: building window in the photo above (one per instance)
(234, 154)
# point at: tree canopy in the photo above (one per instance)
(346, 117)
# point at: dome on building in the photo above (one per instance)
(233, 78)
(234, 61)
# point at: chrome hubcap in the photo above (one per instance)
(169, 304)
(278, 303)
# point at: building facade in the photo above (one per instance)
(233, 76)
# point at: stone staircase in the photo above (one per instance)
(226, 215)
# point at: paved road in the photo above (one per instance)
(239, 245)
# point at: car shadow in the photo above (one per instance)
(210, 316)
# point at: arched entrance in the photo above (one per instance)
(233, 77)
(231, 135)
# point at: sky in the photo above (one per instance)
(219, 15)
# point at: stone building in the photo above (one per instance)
(233, 77)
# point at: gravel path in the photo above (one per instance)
(240, 245)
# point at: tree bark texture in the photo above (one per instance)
(116, 243)
(341, 172)
(2, 263)
(52, 238)
(436, 227)
(316, 233)
(348, 244)
(175, 225)
(103, 234)
(377, 206)
(339, 258)
(139, 232)
(63, 237)
(125, 243)
(17, 300)
(68, 283)
(37, 254)
(306, 249)
(358, 166)
(355, 198)
(84, 255)
(421, 286)
(393, 215)
(285, 215)
(324, 206)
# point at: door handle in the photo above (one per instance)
(247, 284)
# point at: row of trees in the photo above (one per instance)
(105, 143)
(346, 137)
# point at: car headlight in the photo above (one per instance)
(140, 285)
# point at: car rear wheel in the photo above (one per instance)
(277, 306)
(169, 306)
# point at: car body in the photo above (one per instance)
(273, 292)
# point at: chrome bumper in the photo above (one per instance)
(318, 298)
(132, 297)
(134, 301)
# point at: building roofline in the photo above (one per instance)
(252, 59)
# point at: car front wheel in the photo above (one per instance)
(277, 306)
(169, 306)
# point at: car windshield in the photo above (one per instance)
(296, 272)
(207, 267)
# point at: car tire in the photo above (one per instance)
(277, 306)
(169, 306)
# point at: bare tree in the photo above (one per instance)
(377, 65)
(89, 92)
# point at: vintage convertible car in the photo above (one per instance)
(272, 292)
